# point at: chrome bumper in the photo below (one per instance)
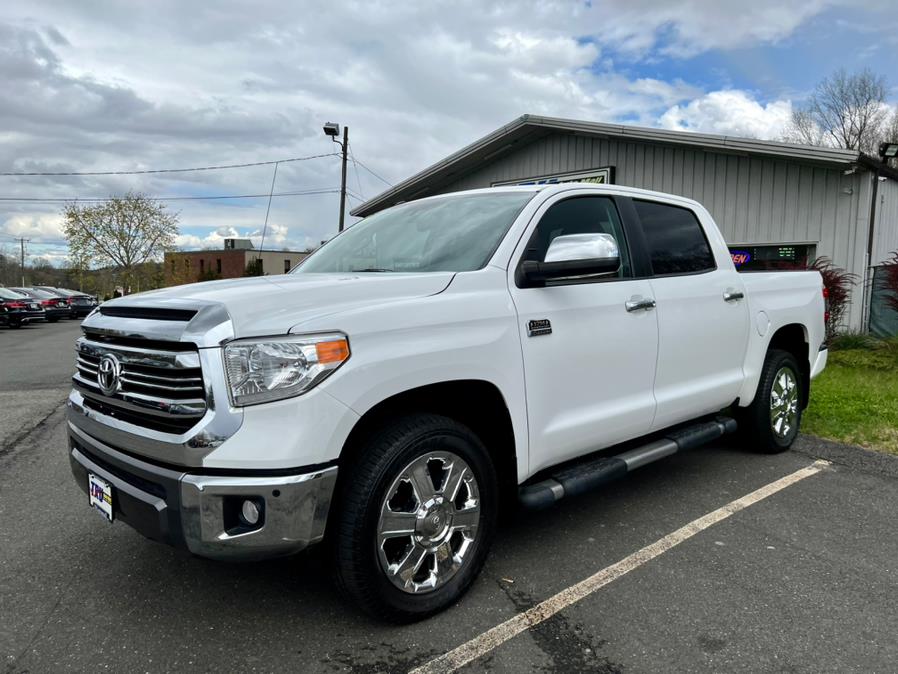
(202, 512)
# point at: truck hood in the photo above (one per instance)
(271, 305)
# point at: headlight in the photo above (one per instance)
(273, 368)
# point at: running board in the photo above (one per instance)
(586, 476)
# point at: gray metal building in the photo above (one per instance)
(777, 204)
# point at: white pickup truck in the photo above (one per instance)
(432, 365)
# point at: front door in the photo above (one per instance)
(589, 362)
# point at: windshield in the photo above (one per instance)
(7, 294)
(453, 233)
(33, 292)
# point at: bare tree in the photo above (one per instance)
(891, 135)
(845, 110)
(803, 129)
(122, 232)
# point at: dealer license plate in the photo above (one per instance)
(100, 493)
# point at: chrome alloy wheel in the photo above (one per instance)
(428, 522)
(784, 402)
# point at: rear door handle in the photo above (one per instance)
(638, 303)
(732, 295)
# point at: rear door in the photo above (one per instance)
(703, 318)
(589, 363)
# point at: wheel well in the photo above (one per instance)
(793, 338)
(477, 404)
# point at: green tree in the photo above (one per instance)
(123, 232)
(253, 267)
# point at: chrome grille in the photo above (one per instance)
(157, 388)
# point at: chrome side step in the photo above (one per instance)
(585, 476)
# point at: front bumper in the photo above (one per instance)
(201, 512)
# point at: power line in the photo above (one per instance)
(187, 198)
(177, 170)
(382, 179)
(268, 210)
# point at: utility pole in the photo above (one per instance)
(343, 178)
(22, 243)
(332, 130)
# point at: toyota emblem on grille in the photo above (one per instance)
(108, 373)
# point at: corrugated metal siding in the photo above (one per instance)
(754, 200)
(885, 236)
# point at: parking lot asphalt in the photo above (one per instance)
(801, 581)
(35, 369)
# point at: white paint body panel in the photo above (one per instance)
(603, 376)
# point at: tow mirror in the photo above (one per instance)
(572, 256)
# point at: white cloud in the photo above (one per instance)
(730, 112)
(38, 227)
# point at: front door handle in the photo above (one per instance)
(638, 303)
(732, 295)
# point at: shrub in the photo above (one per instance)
(848, 341)
(838, 283)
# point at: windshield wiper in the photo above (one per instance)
(371, 269)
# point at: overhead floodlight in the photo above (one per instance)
(888, 150)
(331, 129)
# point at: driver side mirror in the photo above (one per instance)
(573, 256)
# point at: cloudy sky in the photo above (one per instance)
(131, 85)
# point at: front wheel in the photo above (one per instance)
(417, 512)
(770, 424)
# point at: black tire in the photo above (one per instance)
(53, 320)
(361, 495)
(15, 324)
(756, 423)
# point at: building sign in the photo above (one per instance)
(740, 257)
(598, 176)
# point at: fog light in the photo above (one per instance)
(250, 512)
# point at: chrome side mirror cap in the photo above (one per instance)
(573, 256)
(582, 247)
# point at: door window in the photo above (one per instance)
(579, 215)
(675, 239)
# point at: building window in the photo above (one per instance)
(786, 256)
(202, 266)
(287, 266)
(675, 239)
(218, 265)
(173, 265)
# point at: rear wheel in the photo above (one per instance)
(417, 511)
(771, 423)
(53, 320)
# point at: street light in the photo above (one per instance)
(332, 130)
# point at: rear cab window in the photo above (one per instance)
(675, 239)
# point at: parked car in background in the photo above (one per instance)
(55, 307)
(80, 304)
(19, 309)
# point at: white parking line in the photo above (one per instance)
(484, 643)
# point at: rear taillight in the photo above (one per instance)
(46, 303)
(16, 305)
(825, 304)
